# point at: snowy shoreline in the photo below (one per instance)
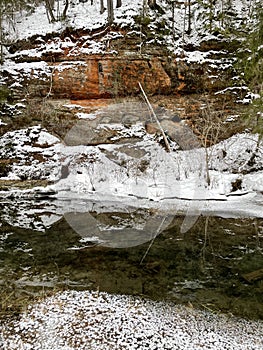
(133, 171)
(95, 320)
(50, 208)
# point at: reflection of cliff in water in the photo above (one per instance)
(216, 265)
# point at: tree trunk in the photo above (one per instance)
(102, 8)
(144, 8)
(211, 15)
(152, 4)
(50, 10)
(110, 12)
(119, 3)
(189, 29)
(183, 34)
(173, 20)
(1, 37)
(64, 15)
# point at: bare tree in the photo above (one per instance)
(173, 18)
(102, 7)
(1, 36)
(49, 7)
(7, 10)
(119, 3)
(144, 7)
(146, 4)
(189, 29)
(50, 10)
(156, 119)
(187, 18)
(152, 3)
(110, 11)
(64, 14)
(212, 127)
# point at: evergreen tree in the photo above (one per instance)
(250, 63)
(253, 61)
(207, 12)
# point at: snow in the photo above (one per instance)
(142, 169)
(26, 67)
(86, 116)
(84, 16)
(20, 72)
(81, 320)
(2, 123)
(180, 174)
(80, 16)
(35, 150)
(132, 174)
(46, 139)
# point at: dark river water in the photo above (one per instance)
(217, 265)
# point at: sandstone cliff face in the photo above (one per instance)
(74, 70)
(106, 77)
(99, 77)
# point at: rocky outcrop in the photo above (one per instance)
(86, 69)
(109, 76)
(99, 77)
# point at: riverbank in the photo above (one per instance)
(109, 156)
(82, 320)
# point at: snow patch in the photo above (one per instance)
(80, 320)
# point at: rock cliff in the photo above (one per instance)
(109, 64)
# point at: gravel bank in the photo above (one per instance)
(100, 321)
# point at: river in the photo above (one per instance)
(216, 265)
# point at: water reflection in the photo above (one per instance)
(119, 230)
(216, 265)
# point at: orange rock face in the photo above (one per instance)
(102, 77)
(79, 73)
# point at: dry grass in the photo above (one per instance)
(6, 185)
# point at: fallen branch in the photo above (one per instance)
(156, 119)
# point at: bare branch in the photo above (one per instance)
(156, 119)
